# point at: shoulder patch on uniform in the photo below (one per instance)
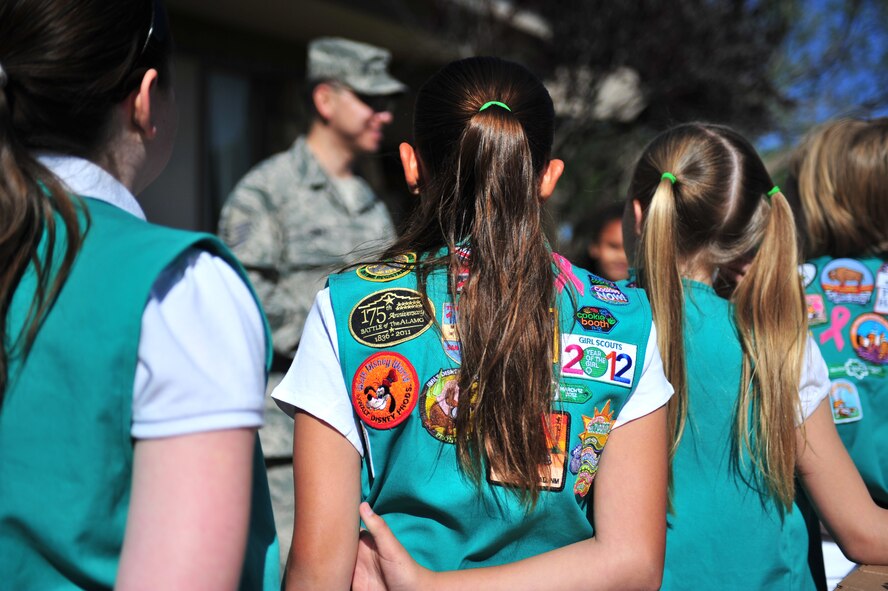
(586, 455)
(438, 403)
(384, 390)
(846, 281)
(598, 359)
(400, 266)
(845, 402)
(389, 317)
(869, 338)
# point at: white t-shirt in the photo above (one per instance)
(314, 382)
(201, 357)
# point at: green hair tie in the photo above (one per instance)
(668, 175)
(773, 191)
(497, 103)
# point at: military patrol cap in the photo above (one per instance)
(361, 67)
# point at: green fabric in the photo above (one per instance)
(842, 312)
(65, 448)
(411, 478)
(722, 534)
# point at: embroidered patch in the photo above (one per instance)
(400, 266)
(596, 280)
(557, 437)
(595, 319)
(573, 393)
(808, 271)
(846, 281)
(880, 305)
(611, 295)
(816, 309)
(597, 359)
(449, 334)
(438, 402)
(857, 369)
(388, 317)
(845, 402)
(586, 455)
(384, 390)
(869, 338)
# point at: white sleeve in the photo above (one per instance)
(201, 364)
(814, 384)
(653, 389)
(314, 382)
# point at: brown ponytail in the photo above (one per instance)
(67, 64)
(481, 173)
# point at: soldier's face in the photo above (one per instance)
(357, 122)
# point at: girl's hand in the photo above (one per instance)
(383, 564)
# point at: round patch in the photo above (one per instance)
(846, 281)
(398, 267)
(808, 271)
(593, 362)
(388, 317)
(869, 337)
(609, 294)
(438, 402)
(384, 390)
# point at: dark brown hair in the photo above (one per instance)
(67, 64)
(480, 174)
(716, 212)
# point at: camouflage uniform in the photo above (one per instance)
(291, 224)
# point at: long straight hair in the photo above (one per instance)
(481, 173)
(67, 64)
(716, 212)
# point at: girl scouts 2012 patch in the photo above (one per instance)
(598, 359)
(388, 317)
(399, 266)
(869, 337)
(846, 281)
(384, 390)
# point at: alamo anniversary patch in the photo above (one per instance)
(388, 317)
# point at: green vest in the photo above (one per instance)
(722, 533)
(66, 455)
(848, 316)
(400, 367)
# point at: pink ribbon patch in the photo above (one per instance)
(838, 319)
(565, 274)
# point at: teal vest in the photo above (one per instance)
(66, 455)
(723, 534)
(848, 317)
(400, 368)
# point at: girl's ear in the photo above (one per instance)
(411, 167)
(140, 105)
(550, 178)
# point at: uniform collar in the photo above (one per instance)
(84, 178)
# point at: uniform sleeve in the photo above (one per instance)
(314, 382)
(249, 226)
(201, 359)
(653, 389)
(814, 384)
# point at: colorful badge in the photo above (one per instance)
(384, 390)
(449, 333)
(585, 456)
(463, 254)
(596, 280)
(595, 319)
(438, 402)
(597, 359)
(557, 436)
(573, 393)
(845, 402)
(869, 338)
(611, 295)
(399, 266)
(816, 309)
(808, 271)
(846, 281)
(389, 317)
(880, 306)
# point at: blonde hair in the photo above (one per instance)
(840, 173)
(716, 212)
